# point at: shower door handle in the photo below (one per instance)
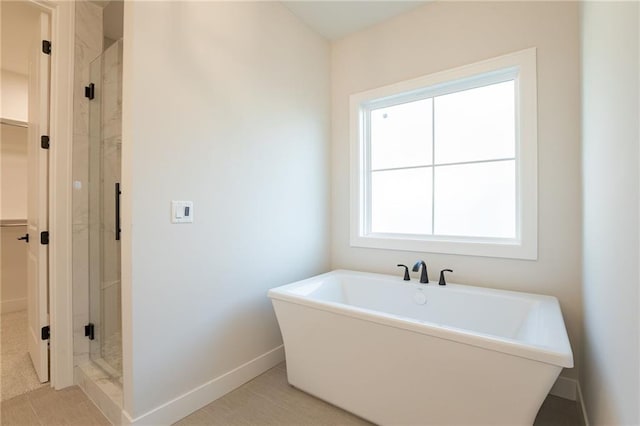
(118, 192)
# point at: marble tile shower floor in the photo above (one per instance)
(17, 375)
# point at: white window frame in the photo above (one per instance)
(520, 67)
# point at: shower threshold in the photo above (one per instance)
(104, 390)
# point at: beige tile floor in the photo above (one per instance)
(17, 374)
(266, 400)
(269, 400)
(45, 406)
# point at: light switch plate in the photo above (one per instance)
(181, 211)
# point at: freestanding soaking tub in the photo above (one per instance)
(403, 353)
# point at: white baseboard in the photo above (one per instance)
(583, 409)
(13, 305)
(565, 388)
(570, 389)
(197, 398)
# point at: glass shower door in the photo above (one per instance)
(105, 140)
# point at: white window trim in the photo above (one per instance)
(522, 64)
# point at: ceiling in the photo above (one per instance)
(331, 19)
(19, 27)
(336, 19)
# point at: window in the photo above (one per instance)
(447, 162)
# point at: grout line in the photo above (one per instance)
(35, 413)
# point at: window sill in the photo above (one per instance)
(501, 248)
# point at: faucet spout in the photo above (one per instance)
(424, 276)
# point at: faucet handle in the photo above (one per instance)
(406, 272)
(442, 280)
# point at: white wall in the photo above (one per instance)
(610, 377)
(225, 104)
(13, 172)
(13, 274)
(443, 35)
(13, 206)
(15, 96)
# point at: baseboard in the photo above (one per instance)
(583, 408)
(197, 398)
(565, 388)
(570, 389)
(13, 305)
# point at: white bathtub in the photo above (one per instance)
(467, 356)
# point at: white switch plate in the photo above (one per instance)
(181, 211)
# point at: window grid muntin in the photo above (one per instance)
(433, 169)
(474, 82)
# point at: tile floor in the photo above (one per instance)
(17, 374)
(45, 406)
(266, 400)
(269, 400)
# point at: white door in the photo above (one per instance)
(38, 203)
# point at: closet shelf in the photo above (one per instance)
(7, 223)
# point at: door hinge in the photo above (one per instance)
(46, 47)
(89, 330)
(90, 91)
(45, 332)
(44, 237)
(44, 142)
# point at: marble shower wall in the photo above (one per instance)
(110, 171)
(88, 46)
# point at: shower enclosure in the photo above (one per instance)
(105, 139)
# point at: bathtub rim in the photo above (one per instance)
(560, 355)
